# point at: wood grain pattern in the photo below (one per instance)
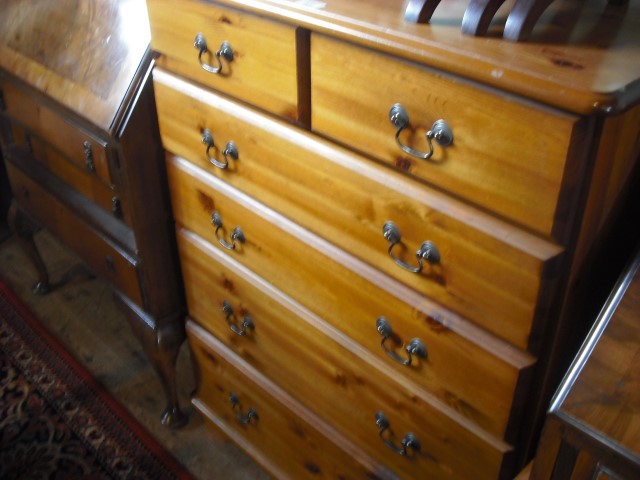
(263, 71)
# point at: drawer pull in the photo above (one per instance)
(440, 132)
(236, 234)
(88, 157)
(225, 51)
(244, 418)
(408, 443)
(427, 251)
(415, 346)
(230, 150)
(247, 322)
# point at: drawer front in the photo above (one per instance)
(280, 434)
(104, 258)
(79, 146)
(506, 155)
(488, 271)
(263, 69)
(347, 392)
(462, 359)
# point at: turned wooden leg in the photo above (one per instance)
(420, 11)
(24, 228)
(478, 15)
(523, 17)
(161, 344)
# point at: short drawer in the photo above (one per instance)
(282, 435)
(263, 69)
(103, 256)
(352, 296)
(487, 270)
(507, 155)
(343, 390)
(79, 146)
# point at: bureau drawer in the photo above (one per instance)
(103, 256)
(280, 434)
(343, 390)
(351, 296)
(507, 155)
(489, 271)
(263, 69)
(75, 143)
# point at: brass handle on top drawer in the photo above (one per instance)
(427, 251)
(247, 322)
(236, 235)
(440, 132)
(408, 443)
(244, 418)
(230, 150)
(415, 346)
(225, 51)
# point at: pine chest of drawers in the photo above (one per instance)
(82, 150)
(385, 230)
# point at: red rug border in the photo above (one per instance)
(120, 410)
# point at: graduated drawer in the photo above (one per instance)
(461, 358)
(507, 155)
(489, 271)
(447, 449)
(279, 433)
(81, 180)
(79, 146)
(263, 69)
(103, 256)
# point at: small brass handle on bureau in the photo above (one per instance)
(236, 235)
(408, 443)
(88, 156)
(415, 346)
(247, 322)
(244, 418)
(440, 132)
(427, 251)
(230, 150)
(225, 51)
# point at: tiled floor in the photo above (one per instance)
(82, 313)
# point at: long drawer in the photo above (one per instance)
(276, 430)
(338, 388)
(507, 155)
(350, 295)
(262, 69)
(117, 265)
(488, 271)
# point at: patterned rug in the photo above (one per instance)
(56, 420)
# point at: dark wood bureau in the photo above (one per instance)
(82, 151)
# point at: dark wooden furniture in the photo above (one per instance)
(82, 152)
(593, 427)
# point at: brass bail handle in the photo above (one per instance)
(244, 418)
(440, 132)
(237, 235)
(230, 150)
(427, 251)
(408, 443)
(225, 51)
(414, 347)
(246, 325)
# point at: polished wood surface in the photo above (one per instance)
(83, 54)
(557, 65)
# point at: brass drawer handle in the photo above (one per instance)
(247, 322)
(440, 132)
(409, 442)
(236, 235)
(427, 251)
(230, 150)
(414, 347)
(88, 156)
(225, 51)
(244, 418)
